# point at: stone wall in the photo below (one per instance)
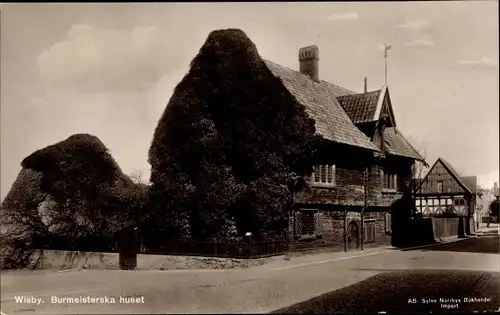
(332, 230)
(64, 260)
(382, 226)
(349, 189)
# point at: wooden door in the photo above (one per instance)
(352, 236)
(369, 231)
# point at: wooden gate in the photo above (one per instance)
(352, 236)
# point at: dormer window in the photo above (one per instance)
(323, 175)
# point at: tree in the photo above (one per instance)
(227, 144)
(21, 221)
(420, 168)
(137, 177)
(418, 172)
(481, 192)
(494, 208)
(93, 195)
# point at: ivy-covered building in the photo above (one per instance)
(364, 166)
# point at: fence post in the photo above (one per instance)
(288, 239)
(248, 239)
(127, 249)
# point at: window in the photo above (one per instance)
(440, 187)
(308, 223)
(324, 174)
(389, 181)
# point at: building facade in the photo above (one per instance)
(363, 167)
(444, 193)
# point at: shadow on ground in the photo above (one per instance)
(404, 292)
(487, 244)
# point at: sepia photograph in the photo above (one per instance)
(249, 157)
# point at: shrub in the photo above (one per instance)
(228, 144)
(73, 189)
(93, 194)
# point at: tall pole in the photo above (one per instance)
(365, 205)
(290, 231)
(386, 49)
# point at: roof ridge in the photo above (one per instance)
(361, 94)
(338, 86)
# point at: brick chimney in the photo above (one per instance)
(366, 85)
(308, 61)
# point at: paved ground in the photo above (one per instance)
(409, 291)
(261, 289)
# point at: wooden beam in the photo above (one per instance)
(345, 230)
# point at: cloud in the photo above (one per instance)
(415, 25)
(487, 180)
(487, 62)
(93, 59)
(343, 17)
(419, 43)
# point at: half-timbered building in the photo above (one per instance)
(444, 193)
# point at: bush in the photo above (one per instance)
(73, 189)
(21, 222)
(228, 144)
(93, 195)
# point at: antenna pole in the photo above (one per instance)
(385, 62)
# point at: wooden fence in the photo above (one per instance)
(445, 227)
(101, 244)
(246, 249)
(227, 250)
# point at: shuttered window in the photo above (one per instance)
(298, 223)
(318, 223)
(309, 223)
(388, 223)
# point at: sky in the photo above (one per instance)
(110, 69)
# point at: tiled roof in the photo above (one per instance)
(320, 100)
(396, 144)
(455, 174)
(361, 107)
(471, 182)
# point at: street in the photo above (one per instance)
(410, 291)
(377, 279)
